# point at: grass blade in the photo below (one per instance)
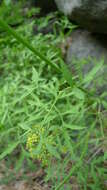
(74, 168)
(27, 44)
(9, 149)
(64, 69)
(67, 74)
(90, 76)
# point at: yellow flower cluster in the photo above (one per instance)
(32, 142)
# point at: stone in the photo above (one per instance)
(87, 50)
(90, 14)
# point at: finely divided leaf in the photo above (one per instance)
(90, 76)
(9, 150)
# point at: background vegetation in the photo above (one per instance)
(47, 117)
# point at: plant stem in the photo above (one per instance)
(64, 70)
(27, 44)
(76, 166)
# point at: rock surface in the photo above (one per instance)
(86, 48)
(91, 48)
(90, 14)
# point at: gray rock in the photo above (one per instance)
(85, 52)
(90, 14)
(67, 6)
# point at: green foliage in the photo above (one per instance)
(11, 13)
(45, 113)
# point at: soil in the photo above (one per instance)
(32, 181)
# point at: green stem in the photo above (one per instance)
(64, 70)
(27, 44)
(76, 166)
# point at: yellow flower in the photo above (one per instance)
(33, 141)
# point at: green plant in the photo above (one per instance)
(40, 109)
(11, 13)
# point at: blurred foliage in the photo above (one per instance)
(59, 124)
